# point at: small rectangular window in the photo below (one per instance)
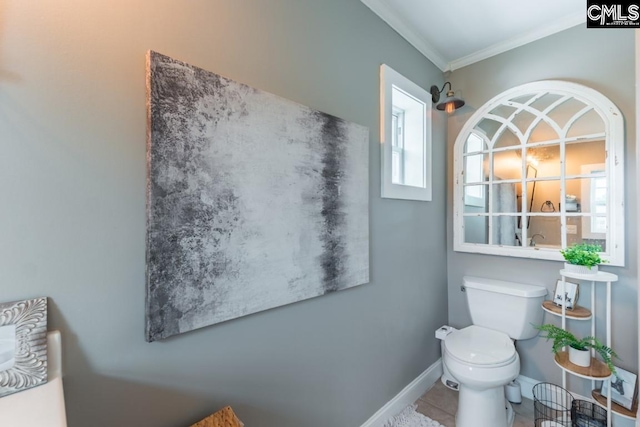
(405, 136)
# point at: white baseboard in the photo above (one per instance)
(407, 396)
(526, 386)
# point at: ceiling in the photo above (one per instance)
(456, 33)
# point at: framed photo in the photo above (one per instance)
(23, 345)
(623, 388)
(570, 298)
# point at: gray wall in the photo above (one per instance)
(72, 217)
(603, 60)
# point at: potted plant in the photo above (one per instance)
(579, 353)
(582, 258)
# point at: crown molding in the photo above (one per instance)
(395, 21)
(388, 15)
(514, 42)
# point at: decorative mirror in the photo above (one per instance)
(539, 168)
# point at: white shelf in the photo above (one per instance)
(600, 276)
(578, 313)
(601, 401)
(598, 371)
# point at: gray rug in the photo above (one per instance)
(410, 418)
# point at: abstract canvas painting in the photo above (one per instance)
(253, 201)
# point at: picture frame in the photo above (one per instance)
(624, 388)
(570, 300)
(23, 345)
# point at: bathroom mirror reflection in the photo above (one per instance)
(538, 174)
(585, 204)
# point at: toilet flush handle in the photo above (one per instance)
(463, 289)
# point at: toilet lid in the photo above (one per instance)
(480, 346)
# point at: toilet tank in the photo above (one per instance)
(510, 307)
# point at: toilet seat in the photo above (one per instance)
(480, 347)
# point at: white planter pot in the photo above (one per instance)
(580, 357)
(580, 269)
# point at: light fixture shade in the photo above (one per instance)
(450, 104)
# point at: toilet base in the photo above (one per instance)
(511, 414)
(486, 407)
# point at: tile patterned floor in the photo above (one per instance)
(441, 403)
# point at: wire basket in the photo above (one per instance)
(588, 414)
(552, 406)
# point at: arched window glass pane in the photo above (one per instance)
(506, 139)
(504, 111)
(545, 101)
(507, 165)
(488, 127)
(545, 159)
(523, 120)
(589, 123)
(565, 111)
(541, 132)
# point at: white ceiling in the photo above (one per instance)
(455, 33)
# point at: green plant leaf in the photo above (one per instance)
(563, 338)
(583, 254)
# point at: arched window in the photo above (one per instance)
(539, 168)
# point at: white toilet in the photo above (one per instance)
(482, 357)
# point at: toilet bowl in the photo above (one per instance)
(482, 357)
(483, 361)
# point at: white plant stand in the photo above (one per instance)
(598, 371)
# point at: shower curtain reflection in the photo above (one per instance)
(504, 226)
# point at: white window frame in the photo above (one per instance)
(389, 79)
(588, 198)
(613, 136)
(472, 199)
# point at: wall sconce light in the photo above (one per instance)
(450, 104)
